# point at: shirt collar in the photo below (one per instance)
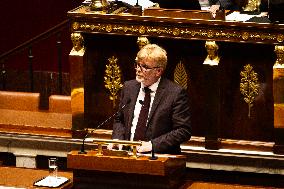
(154, 86)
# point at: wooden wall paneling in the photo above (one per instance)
(235, 123)
(278, 94)
(98, 106)
(77, 60)
(211, 105)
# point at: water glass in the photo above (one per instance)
(52, 165)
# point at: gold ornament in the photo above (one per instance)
(112, 79)
(142, 41)
(279, 50)
(253, 5)
(212, 58)
(249, 86)
(180, 75)
(78, 41)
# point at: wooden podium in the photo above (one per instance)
(109, 170)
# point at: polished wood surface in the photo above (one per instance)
(163, 166)
(179, 13)
(25, 178)
(82, 20)
(107, 171)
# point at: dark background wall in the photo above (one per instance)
(23, 20)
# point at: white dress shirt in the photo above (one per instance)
(138, 105)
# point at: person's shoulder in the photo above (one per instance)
(130, 83)
(171, 84)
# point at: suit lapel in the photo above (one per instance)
(158, 97)
(133, 96)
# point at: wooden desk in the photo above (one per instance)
(125, 172)
(22, 177)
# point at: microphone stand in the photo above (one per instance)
(153, 157)
(82, 151)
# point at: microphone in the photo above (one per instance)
(82, 151)
(141, 102)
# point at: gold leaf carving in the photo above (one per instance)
(176, 31)
(112, 78)
(249, 86)
(280, 38)
(142, 29)
(180, 75)
(245, 36)
(75, 26)
(108, 28)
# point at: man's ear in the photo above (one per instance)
(159, 72)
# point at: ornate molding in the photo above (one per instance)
(224, 33)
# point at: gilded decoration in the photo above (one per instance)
(245, 36)
(180, 32)
(75, 25)
(99, 5)
(212, 58)
(78, 43)
(280, 38)
(142, 29)
(249, 86)
(176, 32)
(279, 63)
(180, 75)
(278, 67)
(142, 41)
(112, 79)
(109, 28)
(252, 5)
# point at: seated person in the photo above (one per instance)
(195, 4)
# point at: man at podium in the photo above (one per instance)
(157, 110)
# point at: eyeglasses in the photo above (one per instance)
(144, 67)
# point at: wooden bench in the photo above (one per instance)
(20, 113)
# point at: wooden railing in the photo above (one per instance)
(57, 31)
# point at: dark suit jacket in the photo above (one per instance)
(169, 119)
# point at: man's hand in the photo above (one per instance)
(213, 9)
(145, 147)
(114, 146)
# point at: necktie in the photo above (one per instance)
(143, 116)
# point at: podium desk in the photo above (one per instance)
(125, 172)
(25, 178)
